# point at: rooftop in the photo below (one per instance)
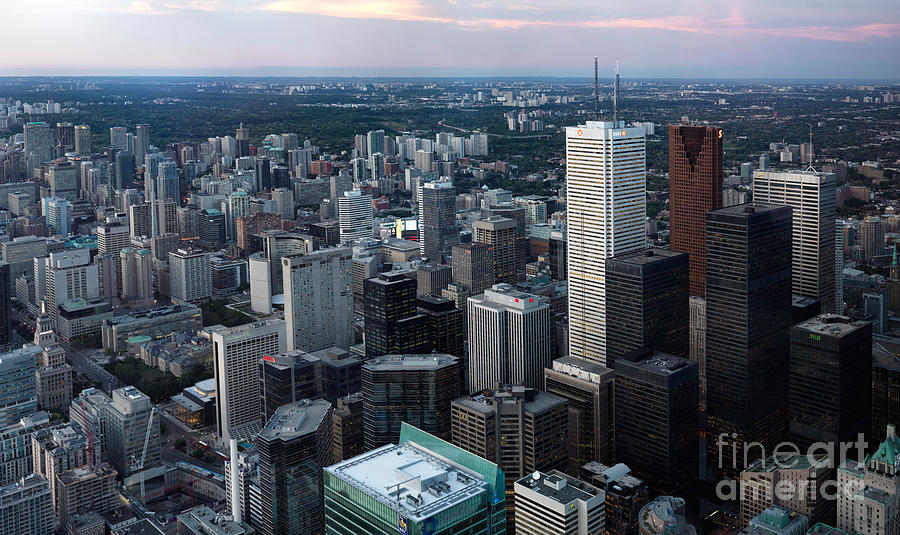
(662, 516)
(825, 529)
(559, 487)
(203, 520)
(410, 362)
(84, 473)
(655, 362)
(535, 401)
(648, 256)
(410, 480)
(296, 419)
(831, 325)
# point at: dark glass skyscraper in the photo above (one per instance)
(5, 306)
(647, 303)
(393, 325)
(263, 174)
(438, 231)
(473, 266)
(446, 324)
(748, 310)
(695, 187)
(831, 380)
(656, 400)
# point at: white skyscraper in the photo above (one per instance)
(509, 339)
(237, 352)
(318, 299)
(606, 210)
(355, 215)
(190, 276)
(811, 196)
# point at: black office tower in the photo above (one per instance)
(392, 323)
(748, 311)
(647, 295)
(656, 409)
(438, 230)
(831, 380)
(5, 311)
(263, 175)
(446, 324)
(885, 393)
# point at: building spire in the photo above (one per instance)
(596, 90)
(616, 96)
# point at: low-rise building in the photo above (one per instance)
(557, 504)
(82, 317)
(156, 323)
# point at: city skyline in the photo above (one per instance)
(528, 38)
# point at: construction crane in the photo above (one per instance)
(90, 434)
(138, 466)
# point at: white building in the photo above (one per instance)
(557, 504)
(57, 211)
(237, 351)
(606, 196)
(355, 215)
(811, 195)
(68, 274)
(318, 299)
(190, 275)
(869, 493)
(137, 276)
(509, 339)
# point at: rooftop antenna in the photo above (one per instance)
(616, 96)
(596, 91)
(809, 152)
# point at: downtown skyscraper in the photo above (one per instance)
(438, 231)
(606, 193)
(695, 187)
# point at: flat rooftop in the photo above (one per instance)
(408, 362)
(409, 480)
(296, 419)
(648, 256)
(535, 401)
(831, 325)
(558, 488)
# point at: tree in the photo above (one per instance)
(180, 443)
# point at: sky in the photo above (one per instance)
(819, 39)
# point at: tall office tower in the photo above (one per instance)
(62, 175)
(167, 186)
(697, 338)
(117, 137)
(26, 507)
(416, 389)
(57, 212)
(38, 146)
(392, 323)
(625, 494)
(871, 237)
(588, 389)
(840, 227)
(430, 475)
(808, 478)
(376, 166)
(64, 137)
(664, 516)
(473, 267)
(111, 239)
(242, 142)
(748, 298)
(695, 187)
(557, 504)
(137, 276)
(830, 380)
(868, 493)
(69, 274)
(129, 416)
(431, 279)
(263, 174)
(141, 142)
(212, 228)
(284, 198)
(520, 429)
(53, 378)
(438, 231)
(347, 430)
(885, 392)
(375, 141)
(5, 304)
(124, 170)
(237, 351)
(520, 216)
(360, 169)
(764, 161)
(355, 215)
(501, 235)
(190, 276)
(656, 409)
(446, 324)
(296, 375)
(294, 446)
(606, 188)
(83, 139)
(811, 195)
(318, 301)
(647, 303)
(509, 339)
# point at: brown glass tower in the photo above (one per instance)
(695, 187)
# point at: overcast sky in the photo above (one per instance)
(664, 38)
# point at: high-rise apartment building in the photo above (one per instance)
(811, 195)
(748, 311)
(695, 187)
(647, 303)
(57, 212)
(509, 338)
(588, 389)
(117, 137)
(473, 266)
(68, 274)
(62, 175)
(55, 450)
(129, 416)
(420, 485)
(438, 231)
(554, 503)
(83, 139)
(830, 380)
(416, 389)
(871, 237)
(190, 276)
(86, 489)
(375, 141)
(355, 215)
(656, 410)
(26, 507)
(520, 429)
(501, 235)
(606, 211)
(392, 322)
(236, 353)
(111, 239)
(318, 300)
(137, 276)
(294, 446)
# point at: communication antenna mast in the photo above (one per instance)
(596, 90)
(616, 96)
(809, 152)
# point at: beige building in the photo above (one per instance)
(869, 493)
(801, 482)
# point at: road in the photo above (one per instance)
(83, 364)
